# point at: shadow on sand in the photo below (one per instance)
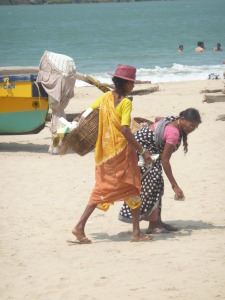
(19, 147)
(185, 228)
(14, 147)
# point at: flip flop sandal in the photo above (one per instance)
(145, 238)
(84, 240)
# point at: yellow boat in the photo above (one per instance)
(23, 104)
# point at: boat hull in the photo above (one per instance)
(23, 105)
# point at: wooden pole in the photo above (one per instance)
(214, 98)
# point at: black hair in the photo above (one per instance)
(201, 44)
(192, 115)
(120, 85)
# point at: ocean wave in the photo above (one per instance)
(176, 72)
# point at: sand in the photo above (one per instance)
(43, 196)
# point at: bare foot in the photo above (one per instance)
(153, 225)
(159, 225)
(157, 231)
(169, 227)
(141, 238)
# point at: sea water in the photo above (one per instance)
(100, 36)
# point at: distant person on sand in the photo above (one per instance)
(181, 47)
(200, 47)
(218, 47)
(163, 137)
(117, 175)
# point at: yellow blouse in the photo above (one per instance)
(123, 109)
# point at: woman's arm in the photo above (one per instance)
(131, 139)
(126, 109)
(167, 153)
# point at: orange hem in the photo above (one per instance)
(118, 178)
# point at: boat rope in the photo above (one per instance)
(6, 83)
(39, 98)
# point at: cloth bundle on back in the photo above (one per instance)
(57, 74)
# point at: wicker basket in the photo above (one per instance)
(136, 123)
(83, 138)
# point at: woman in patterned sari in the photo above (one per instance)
(163, 138)
(117, 173)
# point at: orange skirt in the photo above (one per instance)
(118, 178)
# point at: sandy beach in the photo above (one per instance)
(43, 195)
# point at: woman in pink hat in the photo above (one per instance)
(117, 173)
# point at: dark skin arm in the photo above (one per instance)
(131, 139)
(158, 119)
(167, 153)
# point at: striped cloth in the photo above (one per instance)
(63, 63)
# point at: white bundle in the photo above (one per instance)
(63, 63)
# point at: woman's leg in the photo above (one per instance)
(78, 230)
(159, 224)
(153, 220)
(168, 226)
(156, 221)
(135, 220)
(137, 236)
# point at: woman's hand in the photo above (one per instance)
(147, 157)
(178, 191)
(130, 138)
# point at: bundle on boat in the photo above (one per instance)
(83, 138)
(137, 123)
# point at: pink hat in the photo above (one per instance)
(125, 72)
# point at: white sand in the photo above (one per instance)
(43, 196)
